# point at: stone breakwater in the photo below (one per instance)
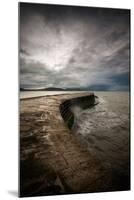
(52, 159)
(71, 108)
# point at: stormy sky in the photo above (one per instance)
(67, 46)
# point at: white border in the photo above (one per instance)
(9, 98)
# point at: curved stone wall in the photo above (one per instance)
(68, 107)
(53, 161)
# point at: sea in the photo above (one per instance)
(30, 94)
(105, 130)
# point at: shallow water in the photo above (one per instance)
(104, 129)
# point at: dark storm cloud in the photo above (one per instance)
(24, 52)
(71, 46)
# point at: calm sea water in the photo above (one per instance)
(29, 94)
(104, 129)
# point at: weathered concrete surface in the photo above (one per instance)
(52, 159)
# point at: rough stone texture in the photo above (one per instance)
(52, 160)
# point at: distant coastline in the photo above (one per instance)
(53, 89)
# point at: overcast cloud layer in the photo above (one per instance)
(62, 46)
